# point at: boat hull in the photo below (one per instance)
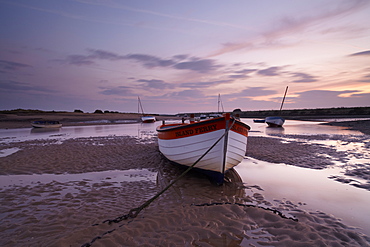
(184, 144)
(46, 124)
(275, 121)
(148, 119)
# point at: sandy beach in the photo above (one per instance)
(194, 212)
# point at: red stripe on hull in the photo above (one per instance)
(176, 131)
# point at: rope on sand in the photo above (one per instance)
(133, 213)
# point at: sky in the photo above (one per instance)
(178, 56)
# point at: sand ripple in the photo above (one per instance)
(192, 213)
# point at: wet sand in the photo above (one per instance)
(193, 212)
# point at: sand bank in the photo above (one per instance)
(10, 121)
(360, 125)
(194, 212)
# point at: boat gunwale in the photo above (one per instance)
(171, 127)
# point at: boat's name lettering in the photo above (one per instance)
(240, 130)
(205, 129)
(198, 130)
(184, 133)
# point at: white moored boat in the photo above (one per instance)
(46, 124)
(148, 119)
(277, 121)
(274, 121)
(144, 118)
(185, 143)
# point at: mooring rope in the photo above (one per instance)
(133, 213)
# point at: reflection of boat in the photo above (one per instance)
(145, 118)
(45, 130)
(277, 121)
(259, 120)
(185, 143)
(274, 131)
(46, 124)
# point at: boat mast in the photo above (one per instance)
(220, 102)
(286, 90)
(139, 106)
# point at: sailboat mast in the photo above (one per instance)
(282, 103)
(140, 106)
(220, 102)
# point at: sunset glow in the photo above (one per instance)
(179, 55)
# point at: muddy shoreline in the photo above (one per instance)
(194, 212)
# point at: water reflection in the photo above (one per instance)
(113, 176)
(140, 130)
(274, 130)
(197, 187)
(310, 188)
(44, 130)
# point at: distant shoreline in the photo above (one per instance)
(23, 120)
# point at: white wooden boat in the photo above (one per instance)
(274, 121)
(46, 124)
(185, 143)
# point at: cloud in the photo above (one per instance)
(362, 53)
(14, 86)
(244, 73)
(121, 91)
(204, 84)
(238, 76)
(180, 62)
(272, 71)
(303, 77)
(12, 66)
(150, 61)
(79, 60)
(257, 91)
(253, 92)
(290, 25)
(104, 55)
(199, 65)
(189, 93)
(326, 98)
(156, 84)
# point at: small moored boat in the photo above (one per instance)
(144, 118)
(148, 119)
(185, 143)
(46, 124)
(275, 121)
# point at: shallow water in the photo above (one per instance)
(147, 130)
(309, 188)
